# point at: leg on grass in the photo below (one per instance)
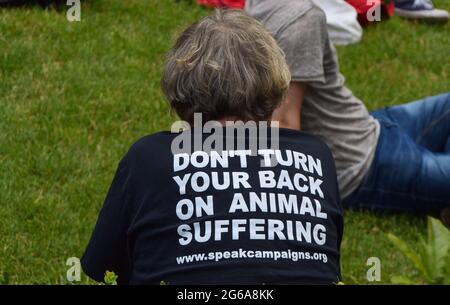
(427, 121)
(411, 168)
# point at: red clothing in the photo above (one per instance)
(223, 3)
(363, 6)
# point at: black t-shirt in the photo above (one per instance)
(229, 216)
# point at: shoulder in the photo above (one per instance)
(302, 136)
(278, 16)
(279, 6)
(307, 142)
(150, 149)
(313, 20)
(321, 145)
(152, 141)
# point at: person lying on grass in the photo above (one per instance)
(396, 159)
(260, 205)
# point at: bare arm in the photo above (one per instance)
(288, 114)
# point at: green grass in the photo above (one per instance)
(75, 96)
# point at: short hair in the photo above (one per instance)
(225, 65)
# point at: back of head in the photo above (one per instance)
(225, 65)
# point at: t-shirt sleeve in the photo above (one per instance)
(303, 43)
(108, 250)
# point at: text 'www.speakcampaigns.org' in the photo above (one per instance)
(252, 254)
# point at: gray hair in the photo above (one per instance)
(225, 65)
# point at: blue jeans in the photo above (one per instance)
(411, 168)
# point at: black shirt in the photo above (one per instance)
(226, 216)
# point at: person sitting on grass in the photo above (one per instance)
(396, 159)
(222, 214)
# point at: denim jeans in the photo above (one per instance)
(411, 168)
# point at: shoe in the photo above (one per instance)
(421, 10)
(445, 217)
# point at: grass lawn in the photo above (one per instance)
(75, 96)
